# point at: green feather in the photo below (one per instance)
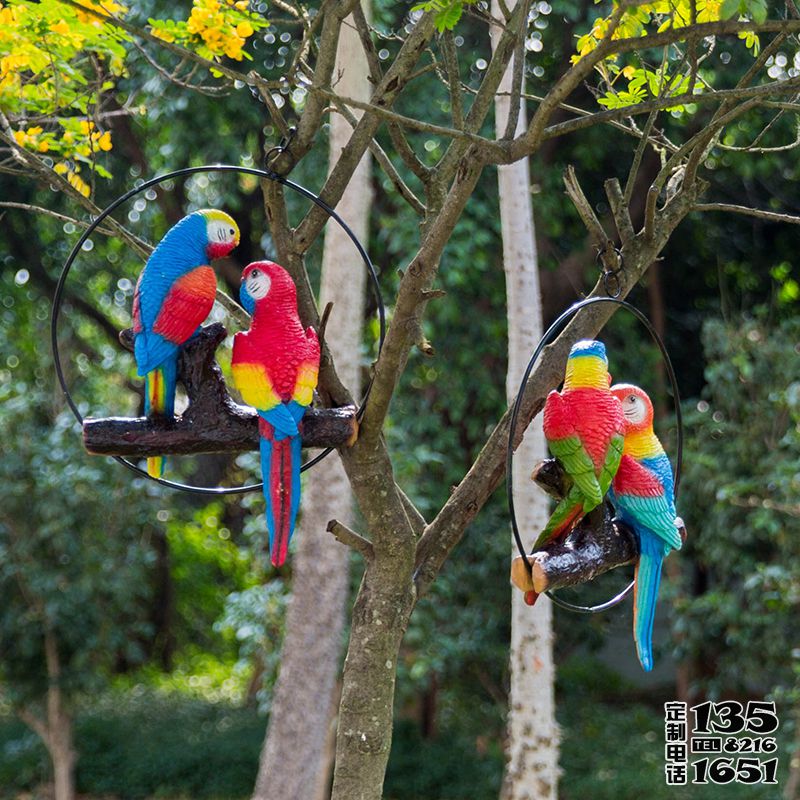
(579, 466)
(611, 464)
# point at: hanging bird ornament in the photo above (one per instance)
(643, 493)
(275, 366)
(583, 425)
(174, 294)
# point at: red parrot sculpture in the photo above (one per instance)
(583, 425)
(275, 366)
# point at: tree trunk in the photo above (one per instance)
(532, 745)
(59, 725)
(296, 762)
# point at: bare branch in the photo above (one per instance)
(453, 78)
(386, 165)
(79, 223)
(352, 539)
(585, 211)
(770, 216)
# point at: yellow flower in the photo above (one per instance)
(233, 48)
(60, 28)
(164, 34)
(21, 138)
(104, 142)
(35, 131)
(244, 29)
(211, 36)
(60, 168)
(86, 126)
(12, 63)
(43, 146)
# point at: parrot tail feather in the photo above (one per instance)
(159, 400)
(280, 470)
(648, 578)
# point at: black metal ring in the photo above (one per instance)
(546, 339)
(296, 187)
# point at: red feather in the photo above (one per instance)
(187, 304)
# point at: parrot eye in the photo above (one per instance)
(255, 273)
(631, 398)
(232, 232)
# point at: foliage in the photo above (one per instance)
(56, 64)
(647, 82)
(215, 28)
(143, 744)
(69, 564)
(448, 12)
(740, 501)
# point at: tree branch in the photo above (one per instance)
(394, 81)
(351, 539)
(487, 471)
(598, 544)
(212, 423)
(770, 216)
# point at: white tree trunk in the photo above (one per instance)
(297, 757)
(532, 750)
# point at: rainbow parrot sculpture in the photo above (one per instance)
(275, 366)
(174, 294)
(583, 425)
(643, 494)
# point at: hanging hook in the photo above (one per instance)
(611, 276)
(278, 150)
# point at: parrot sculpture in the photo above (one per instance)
(174, 294)
(643, 494)
(583, 425)
(275, 366)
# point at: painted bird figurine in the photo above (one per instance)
(644, 496)
(174, 294)
(275, 366)
(583, 425)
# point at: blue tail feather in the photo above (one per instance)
(265, 446)
(648, 579)
(297, 457)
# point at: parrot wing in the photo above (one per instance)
(186, 304)
(643, 501)
(579, 466)
(167, 313)
(611, 464)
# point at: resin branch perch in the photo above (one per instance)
(213, 422)
(598, 544)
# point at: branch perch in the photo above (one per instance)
(598, 544)
(213, 422)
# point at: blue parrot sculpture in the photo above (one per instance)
(644, 495)
(174, 294)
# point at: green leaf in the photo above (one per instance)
(758, 10)
(729, 8)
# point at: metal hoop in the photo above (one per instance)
(58, 299)
(546, 339)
